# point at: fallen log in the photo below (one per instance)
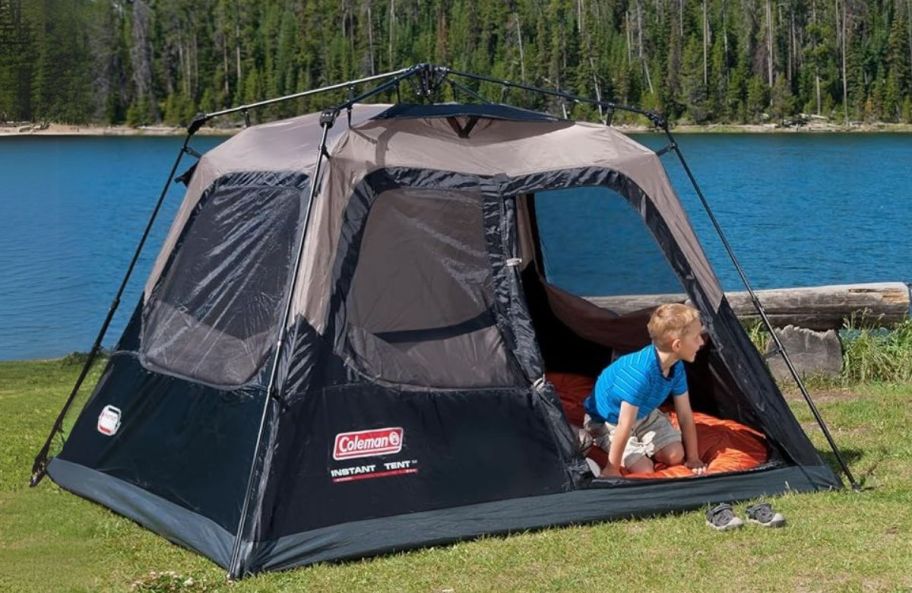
(819, 308)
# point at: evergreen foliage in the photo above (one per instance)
(733, 61)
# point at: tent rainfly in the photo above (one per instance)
(342, 347)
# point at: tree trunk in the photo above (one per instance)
(522, 54)
(845, 83)
(225, 65)
(392, 30)
(141, 56)
(629, 37)
(724, 35)
(791, 44)
(818, 307)
(237, 51)
(705, 43)
(816, 59)
(642, 53)
(598, 90)
(370, 38)
(769, 39)
(579, 16)
(188, 84)
(681, 20)
(194, 87)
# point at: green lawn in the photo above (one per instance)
(842, 541)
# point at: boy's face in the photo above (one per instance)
(690, 342)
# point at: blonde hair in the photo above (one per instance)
(669, 321)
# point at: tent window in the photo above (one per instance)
(595, 244)
(213, 316)
(419, 310)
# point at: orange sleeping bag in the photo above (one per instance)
(725, 445)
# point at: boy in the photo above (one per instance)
(621, 412)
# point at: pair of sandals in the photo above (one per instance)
(722, 517)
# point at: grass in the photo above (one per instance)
(874, 354)
(870, 353)
(53, 541)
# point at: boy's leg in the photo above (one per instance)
(636, 453)
(641, 465)
(672, 454)
(668, 448)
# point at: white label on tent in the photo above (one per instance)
(368, 443)
(109, 420)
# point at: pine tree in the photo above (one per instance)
(757, 98)
(16, 66)
(694, 90)
(782, 101)
(899, 81)
(145, 61)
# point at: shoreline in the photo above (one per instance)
(23, 129)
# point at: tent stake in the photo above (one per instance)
(39, 467)
(762, 312)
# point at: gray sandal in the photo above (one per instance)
(722, 518)
(763, 514)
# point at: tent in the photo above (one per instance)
(342, 347)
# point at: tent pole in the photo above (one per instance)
(324, 89)
(393, 82)
(762, 312)
(657, 119)
(39, 468)
(461, 87)
(327, 119)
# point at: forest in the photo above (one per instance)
(146, 62)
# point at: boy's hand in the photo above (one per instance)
(696, 466)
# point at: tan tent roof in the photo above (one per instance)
(494, 147)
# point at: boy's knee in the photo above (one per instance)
(672, 454)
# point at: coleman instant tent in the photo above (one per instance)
(339, 350)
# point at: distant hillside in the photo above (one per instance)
(699, 61)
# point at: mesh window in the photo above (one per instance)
(419, 307)
(595, 244)
(213, 316)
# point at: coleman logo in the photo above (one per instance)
(109, 420)
(367, 443)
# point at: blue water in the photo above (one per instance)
(799, 210)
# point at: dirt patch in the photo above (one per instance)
(822, 396)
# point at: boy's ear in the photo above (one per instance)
(676, 345)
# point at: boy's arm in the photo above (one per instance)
(626, 420)
(688, 433)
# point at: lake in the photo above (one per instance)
(799, 210)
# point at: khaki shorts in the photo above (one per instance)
(652, 433)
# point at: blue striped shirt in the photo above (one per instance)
(637, 379)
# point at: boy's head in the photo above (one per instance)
(676, 328)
